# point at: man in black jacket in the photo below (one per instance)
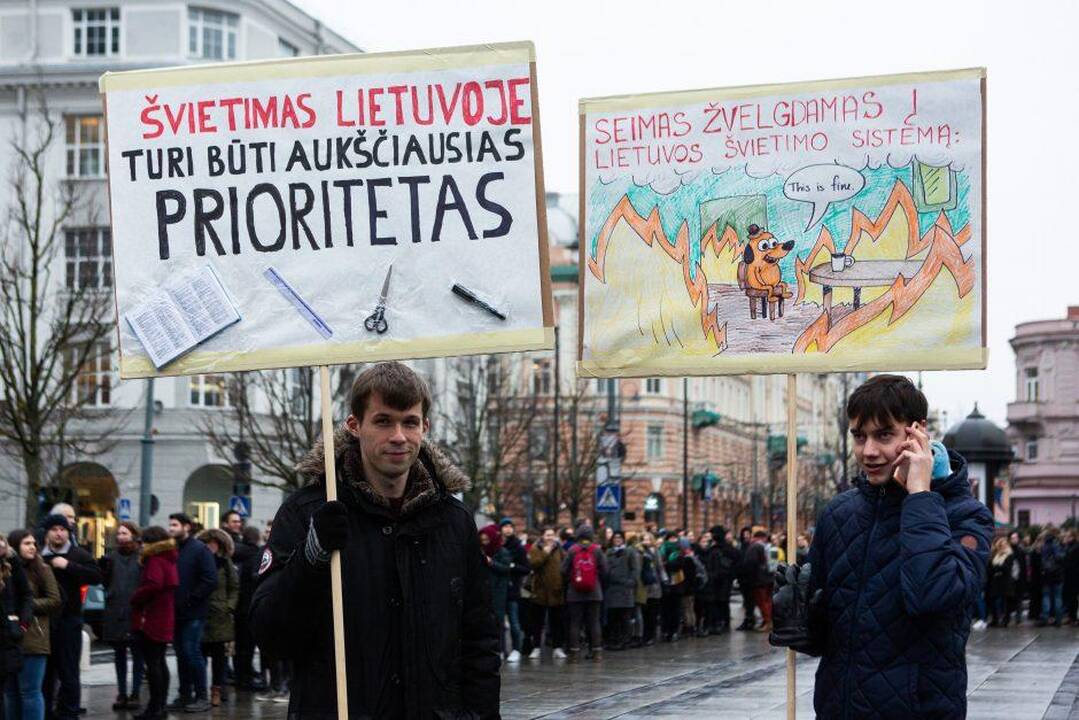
(198, 580)
(73, 568)
(420, 637)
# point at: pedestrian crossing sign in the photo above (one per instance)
(240, 504)
(608, 498)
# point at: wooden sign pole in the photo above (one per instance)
(792, 519)
(335, 559)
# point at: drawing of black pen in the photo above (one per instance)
(469, 296)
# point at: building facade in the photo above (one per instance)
(1043, 422)
(51, 56)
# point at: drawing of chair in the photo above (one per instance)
(768, 303)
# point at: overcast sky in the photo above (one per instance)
(591, 48)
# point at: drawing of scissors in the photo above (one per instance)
(376, 321)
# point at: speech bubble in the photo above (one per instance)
(823, 185)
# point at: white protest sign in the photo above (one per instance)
(302, 182)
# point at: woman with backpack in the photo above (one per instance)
(1003, 577)
(583, 571)
(23, 698)
(220, 626)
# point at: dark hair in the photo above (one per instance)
(225, 517)
(760, 533)
(182, 518)
(136, 533)
(155, 533)
(398, 386)
(251, 535)
(885, 399)
(34, 568)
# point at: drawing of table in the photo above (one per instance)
(863, 273)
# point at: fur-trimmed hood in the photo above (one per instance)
(157, 548)
(223, 539)
(431, 460)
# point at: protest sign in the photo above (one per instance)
(400, 189)
(824, 226)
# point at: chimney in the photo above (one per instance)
(1073, 312)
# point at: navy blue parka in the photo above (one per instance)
(900, 575)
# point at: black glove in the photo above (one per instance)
(328, 532)
(793, 609)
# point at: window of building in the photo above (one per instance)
(85, 143)
(88, 258)
(653, 386)
(209, 390)
(654, 442)
(93, 374)
(541, 377)
(653, 509)
(601, 386)
(97, 31)
(287, 49)
(1023, 518)
(211, 34)
(1031, 384)
(1032, 448)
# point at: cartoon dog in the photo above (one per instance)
(761, 256)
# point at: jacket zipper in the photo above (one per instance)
(876, 495)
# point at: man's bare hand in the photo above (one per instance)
(913, 469)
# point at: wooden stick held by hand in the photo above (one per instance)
(335, 558)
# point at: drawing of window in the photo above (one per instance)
(654, 442)
(933, 188)
(88, 258)
(209, 391)
(1031, 384)
(97, 32)
(211, 34)
(653, 386)
(85, 143)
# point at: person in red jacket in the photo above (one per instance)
(153, 614)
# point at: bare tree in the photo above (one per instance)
(276, 417)
(485, 427)
(579, 446)
(55, 326)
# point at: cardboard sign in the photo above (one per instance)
(826, 226)
(353, 207)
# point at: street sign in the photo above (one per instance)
(124, 508)
(608, 498)
(240, 504)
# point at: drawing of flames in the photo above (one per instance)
(653, 282)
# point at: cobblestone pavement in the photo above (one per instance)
(1014, 674)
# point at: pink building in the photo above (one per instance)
(1043, 422)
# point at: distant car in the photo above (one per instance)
(93, 608)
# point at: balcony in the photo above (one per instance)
(1020, 412)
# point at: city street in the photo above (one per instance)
(1027, 673)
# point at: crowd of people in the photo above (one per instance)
(580, 594)
(183, 585)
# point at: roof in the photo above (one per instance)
(978, 439)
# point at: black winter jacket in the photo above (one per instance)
(900, 575)
(198, 580)
(420, 637)
(81, 570)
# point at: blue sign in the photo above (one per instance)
(608, 498)
(240, 504)
(124, 508)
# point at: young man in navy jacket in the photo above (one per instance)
(895, 567)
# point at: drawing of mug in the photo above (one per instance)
(841, 262)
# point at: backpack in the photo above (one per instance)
(1050, 563)
(583, 571)
(702, 573)
(773, 557)
(648, 570)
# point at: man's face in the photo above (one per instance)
(618, 540)
(177, 530)
(235, 524)
(876, 446)
(389, 439)
(506, 530)
(57, 536)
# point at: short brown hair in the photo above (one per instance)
(136, 533)
(398, 386)
(885, 399)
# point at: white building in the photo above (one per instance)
(57, 49)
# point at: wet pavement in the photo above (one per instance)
(1014, 674)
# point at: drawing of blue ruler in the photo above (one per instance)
(298, 302)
